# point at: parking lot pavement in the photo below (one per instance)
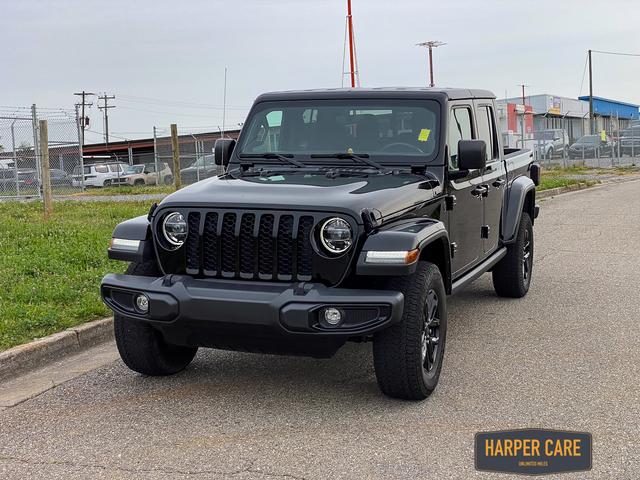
(564, 357)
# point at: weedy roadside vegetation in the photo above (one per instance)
(50, 272)
(562, 177)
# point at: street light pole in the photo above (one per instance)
(431, 45)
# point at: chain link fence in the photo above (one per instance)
(568, 138)
(20, 166)
(196, 154)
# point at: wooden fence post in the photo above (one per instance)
(46, 173)
(175, 147)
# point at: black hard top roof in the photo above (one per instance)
(384, 92)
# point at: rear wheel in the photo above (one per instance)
(512, 274)
(408, 356)
(142, 347)
(168, 180)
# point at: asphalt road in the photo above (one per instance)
(564, 357)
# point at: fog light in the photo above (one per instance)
(142, 302)
(332, 316)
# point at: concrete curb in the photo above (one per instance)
(24, 358)
(552, 192)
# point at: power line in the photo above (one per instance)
(616, 53)
(171, 103)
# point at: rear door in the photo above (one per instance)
(494, 176)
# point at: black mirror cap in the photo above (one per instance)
(222, 150)
(472, 154)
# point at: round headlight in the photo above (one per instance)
(175, 229)
(336, 235)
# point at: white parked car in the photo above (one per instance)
(99, 174)
(552, 142)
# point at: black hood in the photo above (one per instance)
(389, 194)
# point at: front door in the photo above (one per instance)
(464, 205)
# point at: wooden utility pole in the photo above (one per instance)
(84, 119)
(175, 147)
(106, 115)
(46, 174)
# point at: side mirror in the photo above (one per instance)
(222, 150)
(472, 155)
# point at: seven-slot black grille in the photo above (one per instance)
(250, 245)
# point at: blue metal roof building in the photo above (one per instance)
(604, 106)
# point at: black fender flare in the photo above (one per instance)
(427, 235)
(521, 197)
(137, 228)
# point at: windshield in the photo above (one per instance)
(387, 130)
(202, 161)
(133, 170)
(589, 139)
(547, 135)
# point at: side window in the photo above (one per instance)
(459, 129)
(151, 168)
(486, 131)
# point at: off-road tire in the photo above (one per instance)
(142, 347)
(398, 351)
(550, 154)
(512, 274)
(138, 182)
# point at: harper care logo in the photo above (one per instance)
(533, 451)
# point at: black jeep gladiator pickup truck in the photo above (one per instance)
(342, 215)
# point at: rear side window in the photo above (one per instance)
(486, 131)
(116, 167)
(459, 129)
(101, 169)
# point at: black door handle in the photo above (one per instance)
(480, 191)
(499, 182)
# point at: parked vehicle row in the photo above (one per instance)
(27, 180)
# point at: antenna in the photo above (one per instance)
(353, 59)
(431, 45)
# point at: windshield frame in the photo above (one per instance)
(390, 110)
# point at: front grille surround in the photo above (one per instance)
(252, 245)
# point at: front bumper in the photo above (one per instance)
(252, 316)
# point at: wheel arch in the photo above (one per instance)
(430, 237)
(521, 198)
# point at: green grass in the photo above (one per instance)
(50, 272)
(137, 190)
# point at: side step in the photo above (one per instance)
(476, 272)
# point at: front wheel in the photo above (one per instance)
(408, 356)
(550, 154)
(142, 347)
(512, 274)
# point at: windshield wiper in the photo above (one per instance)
(364, 158)
(287, 158)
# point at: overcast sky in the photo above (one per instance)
(162, 59)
